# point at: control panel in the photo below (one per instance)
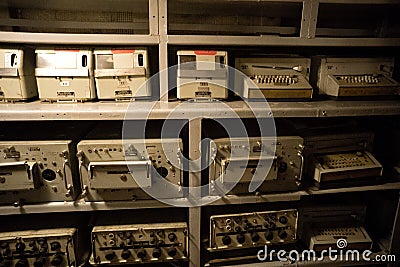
(17, 74)
(245, 230)
(36, 171)
(250, 157)
(139, 243)
(274, 78)
(119, 170)
(121, 74)
(39, 248)
(352, 77)
(65, 74)
(202, 74)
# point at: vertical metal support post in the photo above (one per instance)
(395, 239)
(194, 181)
(309, 19)
(153, 17)
(163, 49)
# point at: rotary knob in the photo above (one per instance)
(172, 251)
(283, 220)
(22, 263)
(269, 235)
(109, 255)
(255, 237)
(39, 262)
(141, 254)
(226, 240)
(282, 234)
(57, 260)
(171, 237)
(125, 254)
(240, 238)
(20, 247)
(156, 253)
(55, 246)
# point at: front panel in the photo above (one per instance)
(65, 74)
(139, 243)
(121, 74)
(235, 156)
(154, 164)
(202, 75)
(50, 247)
(17, 78)
(36, 171)
(246, 230)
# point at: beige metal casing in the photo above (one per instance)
(139, 238)
(246, 230)
(203, 75)
(17, 74)
(344, 151)
(63, 240)
(105, 175)
(356, 238)
(120, 73)
(286, 169)
(37, 171)
(333, 71)
(281, 78)
(65, 74)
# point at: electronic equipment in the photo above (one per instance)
(242, 155)
(46, 247)
(334, 158)
(17, 74)
(139, 243)
(202, 74)
(121, 74)
(104, 172)
(356, 237)
(65, 74)
(36, 171)
(357, 77)
(322, 227)
(274, 78)
(246, 230)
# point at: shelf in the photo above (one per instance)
(266, 40)
(77, 39)
(226, 200)
(81, 206)
(35, 111)
(387, 186)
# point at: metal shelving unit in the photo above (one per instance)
(159, 35)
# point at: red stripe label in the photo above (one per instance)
(205, 52)
(122, 51)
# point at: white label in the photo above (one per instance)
(64, 83)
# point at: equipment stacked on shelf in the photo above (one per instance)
(37, 171)
(65, 74)
(46, 247)
(139, 243)
(121, 74)
(202, 74)
(274, 78)
(357, 77)
(117, 170)
(251, 157)
(17, 74)
(247, 230)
